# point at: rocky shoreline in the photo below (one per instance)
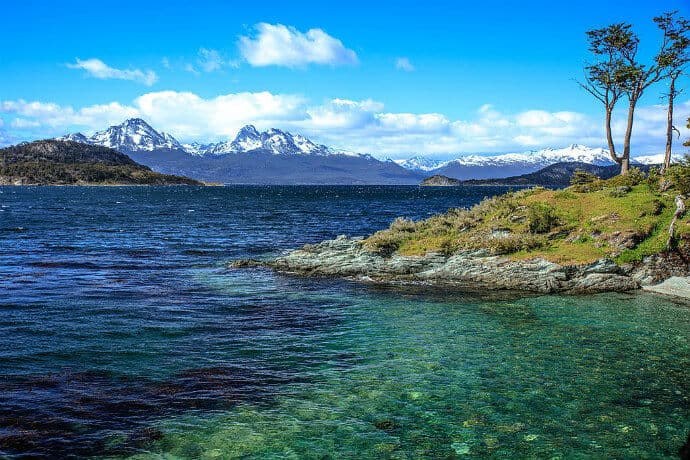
(347, 257)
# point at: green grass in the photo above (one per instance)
(565, 226)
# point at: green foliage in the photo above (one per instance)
(514, 243)
(541, 218)
(620, 192)
(634, 177)
(583, 181)
(582, 177)
(675, 55)
(679, 175)
(402, 224)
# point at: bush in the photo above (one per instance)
(634, 177)
(401, 224)
(384, 242)
(514, 243)
(582, 177)
(679, 175)
(620, 191)
(541, 218)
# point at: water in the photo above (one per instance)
(123, 333)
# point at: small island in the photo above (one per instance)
(439, 180)
(56, 162)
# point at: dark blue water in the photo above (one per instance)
(123, 332)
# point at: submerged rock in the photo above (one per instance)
(473, 270)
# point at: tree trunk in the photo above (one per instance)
(680, 210)
(669, 127)
(609, 136)
(625, 158)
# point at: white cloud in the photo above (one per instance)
(403, 63)
(99, 69)
(190, 116)
(280, 45)
(363, 126)
(23, 123)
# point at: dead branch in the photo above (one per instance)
(680, 210)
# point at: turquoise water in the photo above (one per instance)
(123, 333)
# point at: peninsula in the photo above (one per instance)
(597, 235)
(55, 162)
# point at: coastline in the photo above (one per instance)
(473, 270)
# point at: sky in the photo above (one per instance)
(394, 79)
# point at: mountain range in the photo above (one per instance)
(251, 157)
(278, 157)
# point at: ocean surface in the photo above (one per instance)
(123, 333)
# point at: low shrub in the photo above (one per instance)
(679, 175)
(541, 218)
(634, 177)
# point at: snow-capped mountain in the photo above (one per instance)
(273, 140)
(275, 156)
(251, 157)
(420, 163)
(134, 135)
(574, 152)
(511, 164)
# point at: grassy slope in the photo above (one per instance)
(583, 229)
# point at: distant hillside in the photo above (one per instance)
(53, 162)
(440, 181)
(555, 175)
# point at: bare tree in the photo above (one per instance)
(673, 59)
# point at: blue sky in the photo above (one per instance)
(390, 78)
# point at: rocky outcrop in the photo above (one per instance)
(475, 270)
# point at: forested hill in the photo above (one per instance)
(53, 162)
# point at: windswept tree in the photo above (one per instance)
(673, 59)
(616, 72)
(604, 78)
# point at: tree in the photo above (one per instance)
(673, 59)
(687, 143)
(616, 72)
(605, 77)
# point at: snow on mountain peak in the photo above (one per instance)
(272, 140)
(132, 135)
(420, 163)
(574, 152)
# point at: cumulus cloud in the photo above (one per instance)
(358, 125)
(280, 45)
(403, 63)
(99, 69)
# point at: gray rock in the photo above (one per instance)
(476, 270)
